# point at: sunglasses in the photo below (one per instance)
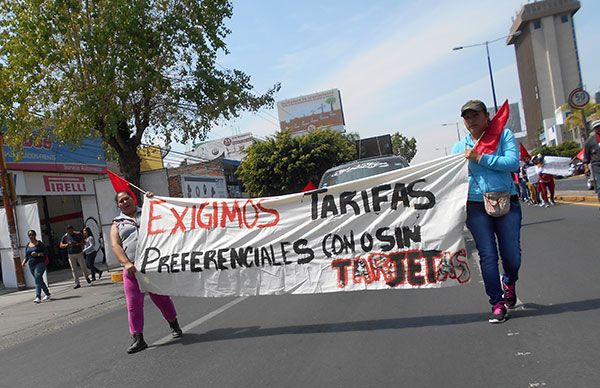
(31, 235)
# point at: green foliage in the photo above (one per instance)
(575, 119)
(567, 149)
(284, 164)
(403, 146)
(125, 70)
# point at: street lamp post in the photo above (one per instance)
(457, 130)
(487, 51)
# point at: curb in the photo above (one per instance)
(577, 198)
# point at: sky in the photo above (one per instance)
(391, 59)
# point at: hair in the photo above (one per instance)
(88, 231)
(31, 231)
(122, 192)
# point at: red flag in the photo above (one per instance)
(523, 154)
(120, 184)
(580, 154)
(489, 141)
(309, 186)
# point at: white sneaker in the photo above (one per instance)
(46, 298)
(552, 203)
(36, 300)
(542, 204)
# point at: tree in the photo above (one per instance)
(127, 71)
(331, 100)
(575, 119)
(567, 149)
(403, 146)
(284, 164)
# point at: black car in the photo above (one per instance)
(361, 168)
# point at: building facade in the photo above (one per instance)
(547, 60)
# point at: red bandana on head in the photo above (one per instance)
(488, 143)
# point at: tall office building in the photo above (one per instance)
(547, 59)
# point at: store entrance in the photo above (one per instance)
(56, 213)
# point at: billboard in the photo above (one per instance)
(53, 156)
(306, 113)
(232, 147)
(150, 158)
(203, 186)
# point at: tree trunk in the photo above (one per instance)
(129, 161)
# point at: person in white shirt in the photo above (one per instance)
(89, 253)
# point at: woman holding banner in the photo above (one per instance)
(124, 235)
(493, 154)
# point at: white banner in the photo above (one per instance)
(402, 229)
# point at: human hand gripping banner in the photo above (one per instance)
(398, 230)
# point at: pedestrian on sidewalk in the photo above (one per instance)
(492, 173)
(89, 253)
(73, 241)
(591, 155)
(124, 236)
(35, 255)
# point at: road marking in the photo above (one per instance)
(584, 203)
(200, 321)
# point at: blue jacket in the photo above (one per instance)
(492, 173)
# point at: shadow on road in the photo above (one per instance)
(527, 310)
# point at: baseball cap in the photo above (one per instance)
(475, 105)
(595, 124)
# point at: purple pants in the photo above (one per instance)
(135, 304)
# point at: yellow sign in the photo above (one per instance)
(151, 158)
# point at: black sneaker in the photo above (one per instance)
(77, 286)
(499, 313)
(176, 331)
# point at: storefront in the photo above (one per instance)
(60, 180)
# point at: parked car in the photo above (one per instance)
(361, 168)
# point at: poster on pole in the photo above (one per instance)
(398, 230)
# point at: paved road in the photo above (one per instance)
(423, 338)
(574, 183)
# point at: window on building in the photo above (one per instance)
(537, 24)
(564, 18)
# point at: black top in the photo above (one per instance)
(38, 248)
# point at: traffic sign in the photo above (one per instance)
(578, 98)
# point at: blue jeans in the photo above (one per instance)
(37, 271)
(507, 230)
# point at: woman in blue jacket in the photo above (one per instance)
(492, 173)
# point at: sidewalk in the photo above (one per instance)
(21, 319)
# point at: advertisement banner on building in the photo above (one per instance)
(306, 113)
(232, 147)
(203, 186)
(398, 230)
(39, 183)
(50, 155)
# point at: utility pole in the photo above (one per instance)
(10, 217)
